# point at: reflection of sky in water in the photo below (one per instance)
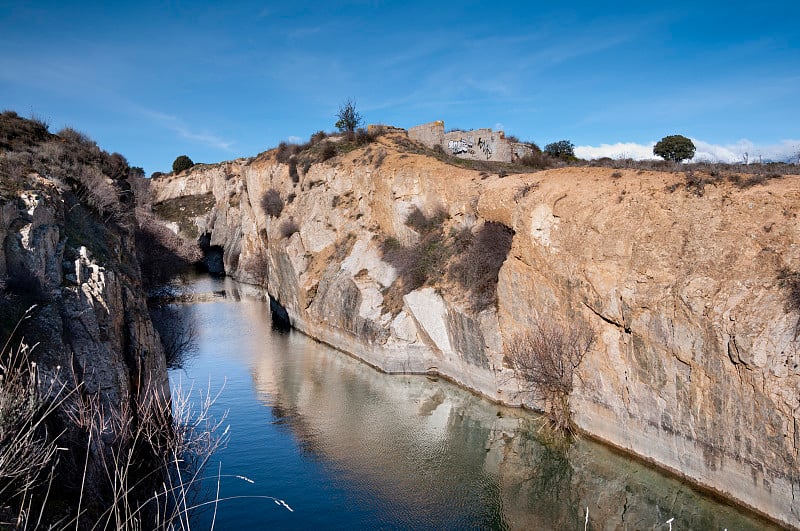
(349, 447)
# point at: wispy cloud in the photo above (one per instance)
(175, 124)
(743, 150)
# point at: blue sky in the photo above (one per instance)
(216, 82)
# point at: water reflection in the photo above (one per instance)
(348, 446)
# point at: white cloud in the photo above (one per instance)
(736, 152)
(745, 150)
(620, 150)
(294, 139)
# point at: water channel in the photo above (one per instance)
(347, 447)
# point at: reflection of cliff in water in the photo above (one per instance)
(428, 444)
(426, 453)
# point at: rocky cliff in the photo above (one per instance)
(379, 251)
(68, 253)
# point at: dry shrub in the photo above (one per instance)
(177, 331)
(417, 263)
(545, 360)
(286, 151)
(753, 180)
(476, 269)
(293, 174)
(423, 260)
(328, 151)
(790, 281)
(289, 227)
(538, 160)
(271, 203)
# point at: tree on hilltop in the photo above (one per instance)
(563, 149)
(675, 148)
(349, 118)
(182, 163)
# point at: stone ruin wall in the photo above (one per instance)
(477, 144)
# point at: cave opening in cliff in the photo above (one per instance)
(212, 261)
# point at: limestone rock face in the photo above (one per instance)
(695, 367)
(90, 322)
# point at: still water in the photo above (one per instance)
(347, 447)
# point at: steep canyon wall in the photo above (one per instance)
(695, 365)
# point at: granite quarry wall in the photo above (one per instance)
(695, 367)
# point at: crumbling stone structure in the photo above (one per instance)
(476, 144)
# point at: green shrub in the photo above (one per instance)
(182, 163)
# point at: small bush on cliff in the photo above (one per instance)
(162, 254)
(477, 268)
(790, 281)
(271, 203)
(182, 163)
(416, 264)
(545, 360)
(289, 227)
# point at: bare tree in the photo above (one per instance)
(545, 360)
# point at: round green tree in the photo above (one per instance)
(182, 163)
(675, 148)
(563, 149)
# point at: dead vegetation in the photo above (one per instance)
(546, 359)
(453, 257)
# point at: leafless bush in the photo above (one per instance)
(271, 203)
(476, 269)
(288, 228)
(177, 331)
(97, 192)
(545, 360)
(790, 281)
(536, 159)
